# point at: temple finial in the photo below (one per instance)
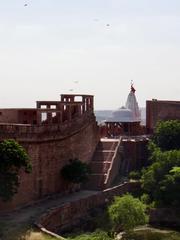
(132, 88)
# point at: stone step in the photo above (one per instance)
(103, 156)
(99, 167)
(101, 163)
(107, 145)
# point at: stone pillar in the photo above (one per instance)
(79, 110)
(38, 117)
(37, 104)
(49, 114)
(69, 113)
(84, 103)
(59, 117)
(92, 103)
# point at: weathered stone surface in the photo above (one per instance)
(157, 110)
(48, 155)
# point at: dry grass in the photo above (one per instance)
(36, 236)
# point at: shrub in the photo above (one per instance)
(75, 171)
(135, 175)
(97, 235)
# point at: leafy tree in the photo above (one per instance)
(127, 212)
(169, 190)
(75, 171)
(161, 179)
(13, 157)
(167, 135)
(160, 174)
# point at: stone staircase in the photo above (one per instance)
(101, 163)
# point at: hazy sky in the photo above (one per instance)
(47, 46)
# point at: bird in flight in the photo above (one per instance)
(25, 5)
(107, 25)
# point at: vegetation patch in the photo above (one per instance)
(75, 171)
(97, 235)
(127, 212)
(161, 179)
(13, 157)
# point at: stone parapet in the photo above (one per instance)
(38, 133)
(50, 147)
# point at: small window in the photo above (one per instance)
(78, 99)
(0, 113)
(53, 106)
(43, 106)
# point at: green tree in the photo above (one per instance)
(127, 212)
(161, 179)
(167, 135)
(158, 177)
(13, 157)
(169, 188)
(75, 171)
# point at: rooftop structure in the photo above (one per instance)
(69, 107)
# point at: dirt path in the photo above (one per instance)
(17, 223)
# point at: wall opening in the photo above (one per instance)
(54, 114)
(43, 106)
(53, 106)
(78, 99)
(43, 116)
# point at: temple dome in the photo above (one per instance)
(121, 115)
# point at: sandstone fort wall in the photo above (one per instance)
(50, 148)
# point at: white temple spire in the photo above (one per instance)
(132, 104)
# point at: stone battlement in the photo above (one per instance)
(38, 133)
(69, 107)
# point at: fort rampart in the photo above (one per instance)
(50, 146)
